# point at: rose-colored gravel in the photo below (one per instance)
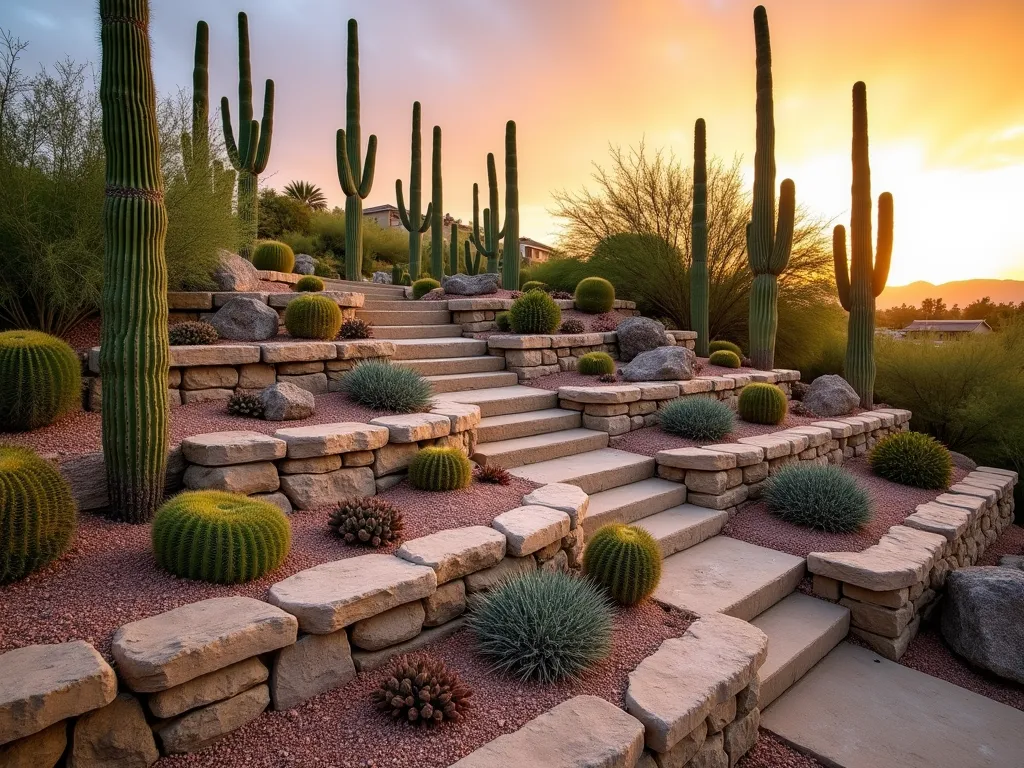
(770, 752)
(341, 728)
(85, 335)
(892, 503)
(649, 440)
(268, 286)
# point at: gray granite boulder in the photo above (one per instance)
(983, 618)
(286, 402)
(234, 273)
(471, 285)
(1012, 561)
(661, 364)
(640, 334)
(382, 278)
(304, 264)
(245, 319)
(830, 395)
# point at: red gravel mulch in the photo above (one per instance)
(268, 286)
(649, 440)
(85, 335)
(892, 504)
(342, 728)
(770, 752)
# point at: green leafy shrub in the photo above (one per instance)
(37, 513)
(309, 284)
(385, 387)
(313, 316)
(503, 322)
(191, 333)
(356, 328)
(421, 690)
(725, 359)
(697, 418)
(219, 537)
(715, 346)
(245, 405)
(440, 469)
(595, 364)
(545, 626)
(368, 522)
(571, 326)
(273, 256)
(912, 458)
(594, 295)
(422, 287)
(40, 380)
(762, 403)
(533, 285)
(625, 560)
(822, 497)
(534, 312)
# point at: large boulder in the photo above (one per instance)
(245, 319)
(234, 273)
(471, 285)
(661, 364)
(830, 395)
(382, 278)
(983, 618)
(304, 264)
(640, 334)
(286, 402)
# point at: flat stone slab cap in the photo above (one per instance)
(746, 455)
(1003, 481)
(463, 416)
(997, 471)
(218, 449)
(990, 495)
(571, 499)
(720, 383)
(577, 340)
(657, 390)
(329, 439)
(696, 458)
(530, 528)
(199, 354)
(583, 732)
(816, 435)
(673, 690)
(359, 349)
(625, 393)
(797, 442)
(519, 342)
(478, 304)
(341, 298)
(413, 427)
(298, 351)
(838, 429)
(875, 568)
(971, 503)
(171, 648)
(43, 684)
(786, 374)
(774, 447)
(331, 596)
(888, 419)
(695, 386)
(454, 553)
(950, 522)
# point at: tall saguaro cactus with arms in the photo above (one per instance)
(768, 244)
(492, 233)
(249, 155)
(133, 351)
(864, 278)
(510, 257)
(436, 209)
(416, 222)
(356, 178)
(699, 262)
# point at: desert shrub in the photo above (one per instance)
(605, 323)
(40, 380)
(762, 403)
(493, 474)
(718, 344)
(219, 537)
(595, 295)
(564, 295)
(367, 522)
(625, 560)
(503, 322)
(440, 469)
(385, 387)
(355, 328)
(245, 405)
(533, 285)
(309, 284)
(37, 513)
(544, 626)
(697, 418)
(191, 333)
(822, 497)
(912, 458)
(572, 325)
(595, 364)
(279, 214)
(300, 242)
(312, 316)
(534, 312)
(725, 359)
(423, 286)
(274, 256)
(421, 690)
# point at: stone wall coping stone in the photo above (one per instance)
(657, 390)
(989, 494)
(764, 377)
(570, 499)
(1004, 482)
(741, 379)
(720, 383)
(216, 449)
(746, 455)
(273, 276)
(997, 471)
(785, 374)
(818, 435)
(902, 558)
(341, 298)
(838, 429)
(463, 416)
(774, 447)
(512, 341)
(623, 393)
(328, 439)
(677, 335)
(696, 458)
(696, 386)
(198, 354)
(456, 552)
(413, 427)
(482, 304)
(902, 415)
(298, 351)
(577, 340)
(530, 528)
(220, 298)
(871, 423)
(189, 300)
(359, 349)
(950, 522)
(972, 503)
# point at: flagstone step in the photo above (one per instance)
(460, 382)
(381, 290)
(398, 332)
(410, 317)
(440, 366)
(380, 303)
(592, 472)
(629, 503)
(502, 401)
(533, 449)
(420, 349)
(682, 527)
(513, 425)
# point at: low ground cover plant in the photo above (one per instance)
(912, 458)
(420, 690)
(245, 405)
(822, 497)
(493, 474)
(385, 387)
(697, 418)
(572, 325)
(355, 328)
(625, 560)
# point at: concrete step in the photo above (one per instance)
(682, 527)
(440, 366)
(801, 630)
(398, 305)
(521, 451)
(421, 349)
(380, 290)
(513, 425)
(506, 400)
(730, 576)
(629, 503)
(592, 472)
(411, 317)
(396, 332)
(460, 382)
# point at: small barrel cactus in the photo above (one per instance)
(626, 560)
(309, 284)
(245, 405)
(503, 322)
(219, 537)
(191, 334)
(534, 285)
(725, 359)
(594, 295)
(40, 380)
(762, 403)
(715, 346)
(273, 256)
(356, 328)
(572, 325)
(912, 458)
(534, 312)
(37, 513)
(595, 364)
(368, 522)
(421, 288)
(440, 469)
(420, 690)
(313, 317)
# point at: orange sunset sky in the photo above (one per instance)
(945, 100)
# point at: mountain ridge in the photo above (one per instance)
(961, 292)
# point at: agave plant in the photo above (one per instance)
(309, 194)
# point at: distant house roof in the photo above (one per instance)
(534, 244)
(379, 209)
(947, 326)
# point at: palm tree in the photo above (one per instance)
(309, 194)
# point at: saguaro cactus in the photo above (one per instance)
(413, 220)
(356, 178)
(510, 259)
(133, 350)
(436, 210)
(488, 244)
(865, 277)
(768, 244)
(699, 260)
(472, 265)
(250, 154)
(453, 249)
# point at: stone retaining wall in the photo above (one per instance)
(477, 314)
(201, 305)
(890, 587)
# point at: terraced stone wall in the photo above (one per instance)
(477, 314)
(202, 305)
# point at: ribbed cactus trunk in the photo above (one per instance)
(699, 283)
(865, 277)
(436, 209)
(510, 257)
(248, 212)
(133, 350)
(472, 264)
(453, 249)
(488, 243)
(768, 244)
(412, 217)
(195, 147)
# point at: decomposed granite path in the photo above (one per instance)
(858, 710)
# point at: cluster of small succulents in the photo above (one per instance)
(607, 378)
(421, 690)
(246, 405)
(385, 387)
(492, 473)
(355, 328)
(368, 522)
(604, 323)
(560, 294)
(191, 334)
(572, 325)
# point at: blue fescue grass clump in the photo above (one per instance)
(697, 418)
(386, 387)
(822, 497)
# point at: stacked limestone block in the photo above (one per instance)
(447, 425)
(477, 315)
(237, 462)
(202, 305)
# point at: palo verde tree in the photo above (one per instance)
(413, 219)
(699, 282)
